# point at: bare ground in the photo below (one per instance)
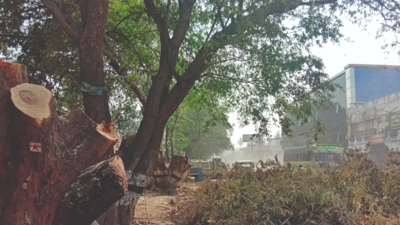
(153, 209)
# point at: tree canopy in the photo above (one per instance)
(252, 50)
(251, 56)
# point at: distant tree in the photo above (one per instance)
(205, 142)
(196, 120)
(247, 51)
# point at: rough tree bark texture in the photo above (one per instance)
(92, 193)
(122, 212)
(41, 157)
(90, 45)
(139, 159)
(166, 178)
(88, 36)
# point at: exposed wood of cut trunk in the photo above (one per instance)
(39, 159)
(92, 193)
(166, 178)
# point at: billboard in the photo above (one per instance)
(250, 138)
(376, 139)
(395, 121)
(384, 123)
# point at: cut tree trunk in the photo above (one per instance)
(41, 154)
(92, 193)
(166, 178)
(123, 211)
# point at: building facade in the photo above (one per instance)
(375, 124)
(360, 84)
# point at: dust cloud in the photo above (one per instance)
(254, 152)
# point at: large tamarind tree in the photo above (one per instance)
(247, 51)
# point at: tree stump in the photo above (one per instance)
(166, 178)
(41, 153)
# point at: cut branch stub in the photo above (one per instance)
(12, 74)
(41, 153)
(108, 130)
(33, 100)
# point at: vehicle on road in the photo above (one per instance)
(246, 164)
(313, 154)
(215, 169)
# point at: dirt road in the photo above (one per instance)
(155, 209)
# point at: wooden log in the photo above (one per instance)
(123, 211)
(92, 193)
(166, 178)
(41, 153)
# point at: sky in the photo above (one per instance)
(362, 48)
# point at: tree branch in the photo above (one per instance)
(218, 41)
(122, 72)
(313, 3)
(101, 185)
(84, 10)
(67, 22)
(138, 93)
(213, 24)
(153, 12)
(123, 19)
(144, 66)
(185, 12)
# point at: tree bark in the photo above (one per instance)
(98, 187)
(172, 141)
(166, 178)
(172, 131)
(89, 37)
(41, 154)
(167, 152)
(95, 13)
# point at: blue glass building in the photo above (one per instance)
(360, 83)
(375, 82)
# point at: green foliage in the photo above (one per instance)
(132, 40)
(198, 133)
(355, 192)
(265, 64)
(200, 125)
(55, 64)
(258, 62)
(207, 136)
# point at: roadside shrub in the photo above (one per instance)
(355, 192)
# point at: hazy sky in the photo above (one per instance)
(362, 48)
